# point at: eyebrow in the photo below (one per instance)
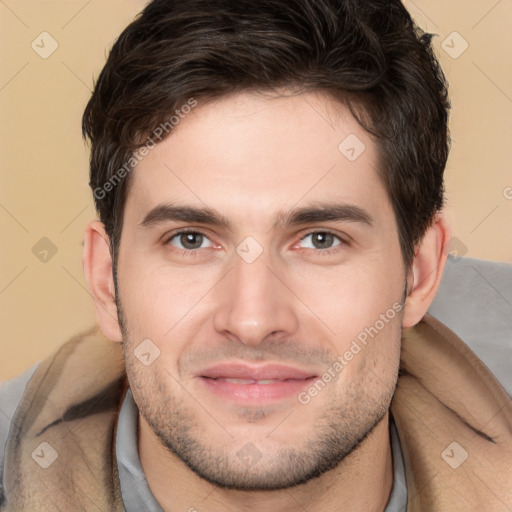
(167, 212)
(319, 212)
(323, 212)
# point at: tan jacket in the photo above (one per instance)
(453, 418)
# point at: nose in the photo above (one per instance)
(254, 302)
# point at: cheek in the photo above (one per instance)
(349, 299)
(360, 310)
(156, 298)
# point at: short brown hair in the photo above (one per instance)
(367, 53)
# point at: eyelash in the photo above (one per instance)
(194, 252)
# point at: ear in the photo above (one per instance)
(97, 265)
(426, 271)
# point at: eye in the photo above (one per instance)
(189, 240)
(321, 240)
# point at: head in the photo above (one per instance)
(302, 145)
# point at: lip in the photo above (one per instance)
(255, 372)
(282, 381)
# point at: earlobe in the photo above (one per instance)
(426, 271)
(97, 265)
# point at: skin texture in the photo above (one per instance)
(302, 301)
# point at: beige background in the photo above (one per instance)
(44, 171)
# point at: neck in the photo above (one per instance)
(362, 481)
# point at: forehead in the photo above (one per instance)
(257, 154)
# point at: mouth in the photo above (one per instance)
(253, 381)
(255, 384)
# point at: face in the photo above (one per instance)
(260, 284)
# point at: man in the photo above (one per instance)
(269, 182)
